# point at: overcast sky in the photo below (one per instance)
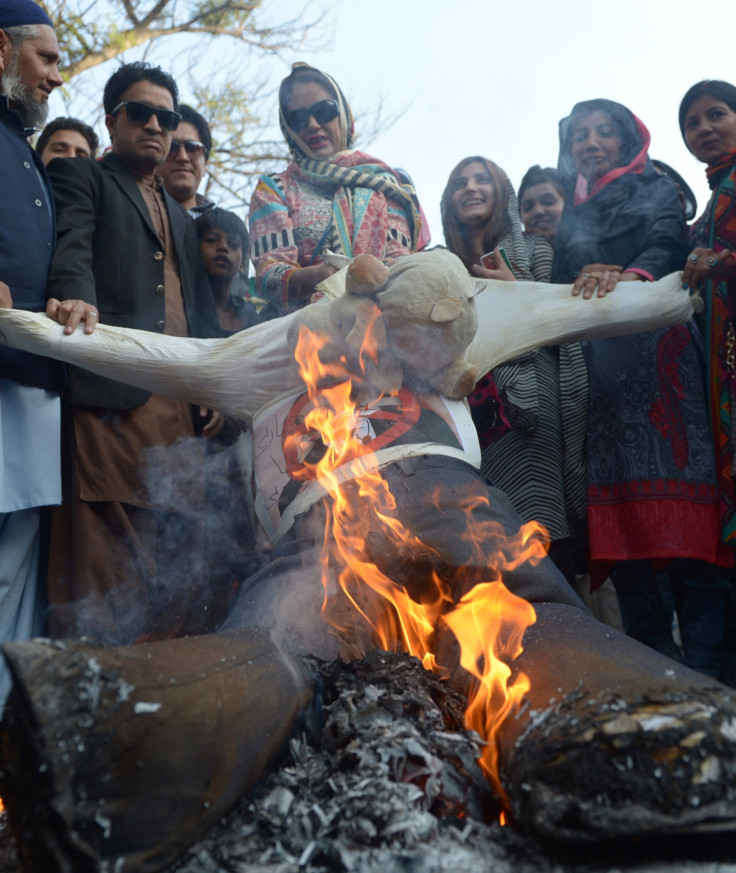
(490, 78)
(480, 77)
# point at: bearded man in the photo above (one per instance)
(29, 385)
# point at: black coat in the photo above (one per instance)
(109, 254)
(634, 221)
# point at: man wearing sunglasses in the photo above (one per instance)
(186, 162)
(127, 247)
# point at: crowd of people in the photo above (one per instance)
(622, 448)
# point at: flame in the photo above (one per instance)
(369, 608)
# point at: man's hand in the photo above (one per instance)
(214, 421)
(71, 312)
(6, 300)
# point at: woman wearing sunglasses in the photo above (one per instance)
(330, 198)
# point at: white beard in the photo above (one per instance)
(32, 112)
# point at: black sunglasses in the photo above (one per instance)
(322, 112)
(191, 146)
(139, 113)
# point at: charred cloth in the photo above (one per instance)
(596, 769)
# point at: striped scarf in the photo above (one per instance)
(360, 179)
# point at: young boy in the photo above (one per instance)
(223, 242)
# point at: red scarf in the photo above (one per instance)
(713, 171)
(636, 166)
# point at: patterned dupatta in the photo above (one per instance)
(365, 190)
(717, 230)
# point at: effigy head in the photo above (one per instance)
(407, 325)
(430, 319)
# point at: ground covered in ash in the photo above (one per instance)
(383, 778)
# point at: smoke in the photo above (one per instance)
(182, 559)
(286, 596)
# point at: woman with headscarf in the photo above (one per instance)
(708, 125)
(652, 497)
(330, 198)
(530, 412)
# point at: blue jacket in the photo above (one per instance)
(27, 234)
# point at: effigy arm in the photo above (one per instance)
(516, 317)
(237, 375)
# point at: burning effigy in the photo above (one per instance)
(384, 535)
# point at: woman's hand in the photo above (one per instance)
(602, 278)
(704, 264)
(303, 281)
(501, 273)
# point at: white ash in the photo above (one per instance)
(393, 786)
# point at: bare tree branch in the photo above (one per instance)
(130, 12)
(93, 32)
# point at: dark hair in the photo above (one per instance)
(68, 124)
(228, 222)
(684, 191)
(457, 236)
(537, 175)
(128, 74)
(717, 88)
(191, 116)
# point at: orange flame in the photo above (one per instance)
(368, 607)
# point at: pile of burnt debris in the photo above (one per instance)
(386, 779)
(381, 776)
